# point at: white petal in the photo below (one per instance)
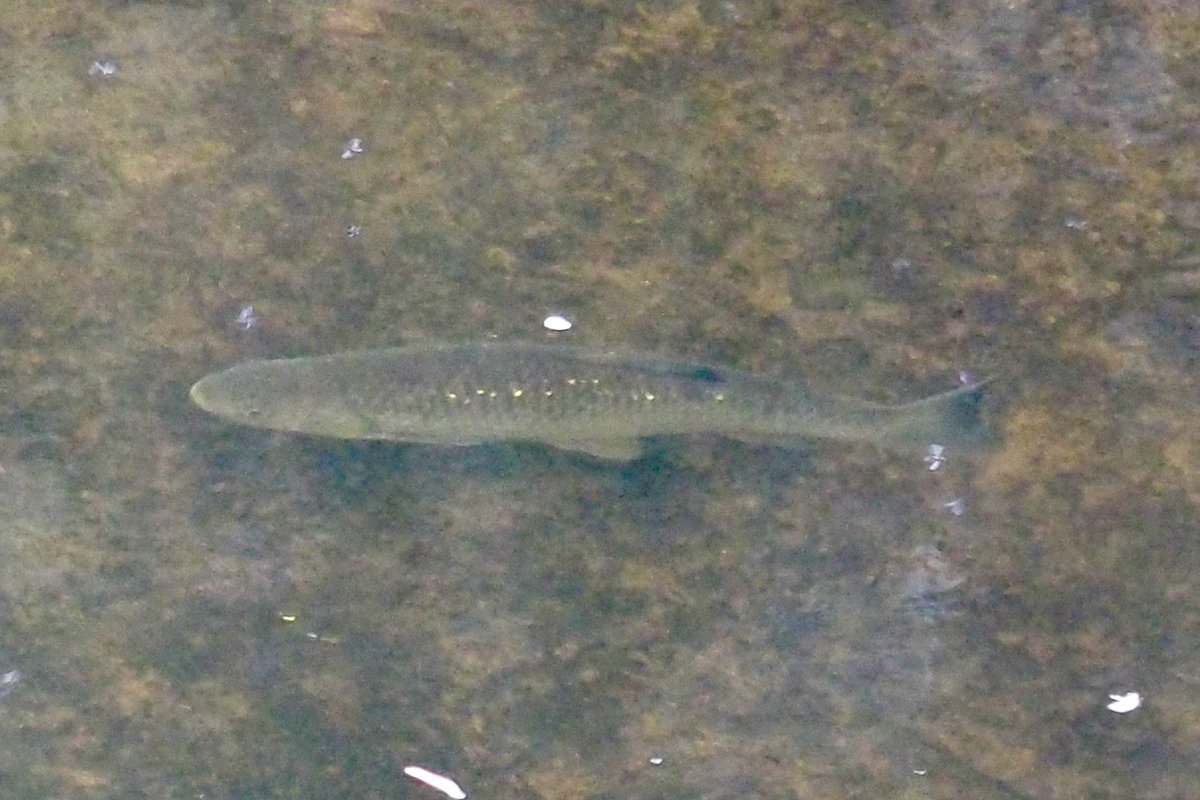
(440, 782)
(556, 322)
(1124, 703)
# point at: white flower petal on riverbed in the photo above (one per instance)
(1124, 703)
(443, 784)
(104, 68)
(557, 323)
(935, 456)
(246, 318)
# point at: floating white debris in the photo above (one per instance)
(557, 323)
(656, 760)
(353, 147)
(920, 772)
(8, 681)
(966, 377)
(106, 68)
(353, 231)
(957, 506)
(440, 782)
(1124, 703)
(935, 456)
(246, 318)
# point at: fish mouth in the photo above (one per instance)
(197, 394)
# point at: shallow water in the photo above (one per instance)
(873, 202)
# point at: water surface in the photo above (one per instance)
(870, 200)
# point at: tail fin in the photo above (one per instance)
(950, 419)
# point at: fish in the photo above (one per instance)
(602, 403)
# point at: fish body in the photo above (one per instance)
(599, 403)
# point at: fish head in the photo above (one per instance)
(280, 395)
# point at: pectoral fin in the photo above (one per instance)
(610, 449)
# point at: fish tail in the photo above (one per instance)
(951, 419)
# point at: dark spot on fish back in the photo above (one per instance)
(707, 374)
